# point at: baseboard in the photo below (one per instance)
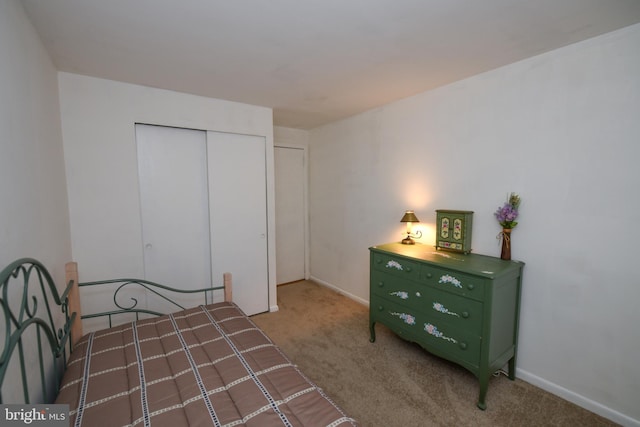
(273, 308)
(588, 404)
(340, 291)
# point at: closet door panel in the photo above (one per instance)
(238, 216)
(172, 168)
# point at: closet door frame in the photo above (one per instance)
(260, 288)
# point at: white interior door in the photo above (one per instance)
(238, 206)
(172, 168)
(290, 212)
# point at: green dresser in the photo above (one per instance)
(461, 307)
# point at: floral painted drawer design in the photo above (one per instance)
(405, 317)
(433, 330)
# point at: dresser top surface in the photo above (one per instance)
(473, 263)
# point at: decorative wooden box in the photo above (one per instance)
(454, 230)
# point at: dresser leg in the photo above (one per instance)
(484, 385)
(512, 368)
(372, 332)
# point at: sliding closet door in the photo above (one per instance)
(172, 167)
(238, 206)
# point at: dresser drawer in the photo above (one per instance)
(397, 266)
(453, 281)
(440, 337)
(463, 313)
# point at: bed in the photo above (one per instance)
(198, 366)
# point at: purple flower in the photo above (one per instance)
(507, 214)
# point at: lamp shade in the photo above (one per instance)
(409, 216)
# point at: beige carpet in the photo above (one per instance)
(393, 382)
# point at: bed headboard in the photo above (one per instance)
(40, 326)
(35, 350)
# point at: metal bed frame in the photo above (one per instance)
(57, 327)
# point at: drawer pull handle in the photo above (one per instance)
(470, 287)
(380, 284)
(465, 314)
(463, 345)
(379, 261)
(429, 275)
(408, 269)
(380, 308)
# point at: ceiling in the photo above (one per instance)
(312, 61)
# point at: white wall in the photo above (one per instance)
(288, 137)
(562, 130)
(34, 217)
(98, 118)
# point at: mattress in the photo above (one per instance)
(209, 365)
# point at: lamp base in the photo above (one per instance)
(408, 241)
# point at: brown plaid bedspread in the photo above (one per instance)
(204, 366)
